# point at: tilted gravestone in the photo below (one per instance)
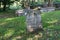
(33, 20)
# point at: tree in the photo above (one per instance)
(45, 3)
(50, 3)
(5, 2)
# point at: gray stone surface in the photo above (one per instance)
(33, 20)
(47, 9)
(20, 12)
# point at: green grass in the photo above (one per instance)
(14, 28)
(51, 20)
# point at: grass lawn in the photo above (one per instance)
(14, 28)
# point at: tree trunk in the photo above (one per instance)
(45, 3)
(4, 8)
(49, 3)
(4, 3)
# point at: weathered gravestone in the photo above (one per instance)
(33, 20)
(19, 13)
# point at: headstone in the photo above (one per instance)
(33, 20)
(20, 12)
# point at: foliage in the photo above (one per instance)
(31, 3)
(6, 2)
(15, 6)
(57, 0)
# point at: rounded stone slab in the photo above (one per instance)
(33, 20)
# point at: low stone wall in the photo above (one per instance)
(47, 9)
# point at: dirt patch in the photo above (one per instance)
(8, 15)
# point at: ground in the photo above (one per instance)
(14, 28)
